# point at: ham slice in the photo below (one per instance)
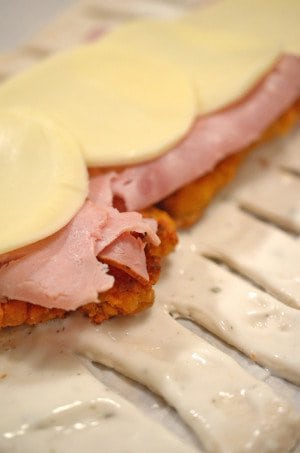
(100, 188)
(122, 222)
(63, 270)
(100, 193)
(118, 251)
(64, 273)
(212, 138)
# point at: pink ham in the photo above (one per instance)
(100, 193)
(122, 222)
(63, 270)
(64, 273)
(118, 246)
(212, 139)
(118, 251)
(100, 188)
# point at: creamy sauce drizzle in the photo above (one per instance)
(290, 157)
(265, 329)
(70, 408)
(52, 403)
(261, 252)
(155, 350)
(284, 210)
(268, 184)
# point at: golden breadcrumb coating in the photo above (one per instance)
(128, 295)
(187, 204)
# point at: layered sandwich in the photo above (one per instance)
(154, 113)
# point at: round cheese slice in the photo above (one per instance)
(43, 178)
(222, 63)
(123, 107)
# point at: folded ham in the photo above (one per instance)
(213, 138)
(64, 271)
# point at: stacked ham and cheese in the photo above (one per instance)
(214, 137)
(105, 260)
(101, 261)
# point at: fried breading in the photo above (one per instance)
(187, 204)
(128, 295)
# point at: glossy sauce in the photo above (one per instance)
(261, 252)
(207, 388)
(53, 404)
(265, 329)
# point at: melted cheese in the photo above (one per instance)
(123, 108)
(43, 178)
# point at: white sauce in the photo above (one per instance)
(208, 389)
(265, 329)
(261, 252)
(284, 209)
(290, 156)
(53, 404)
(268, 184)
(62, 406)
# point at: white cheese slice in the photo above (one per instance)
(222, 64)
(43, 178)
(226, 48)
(122, 107)
(272, 22)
